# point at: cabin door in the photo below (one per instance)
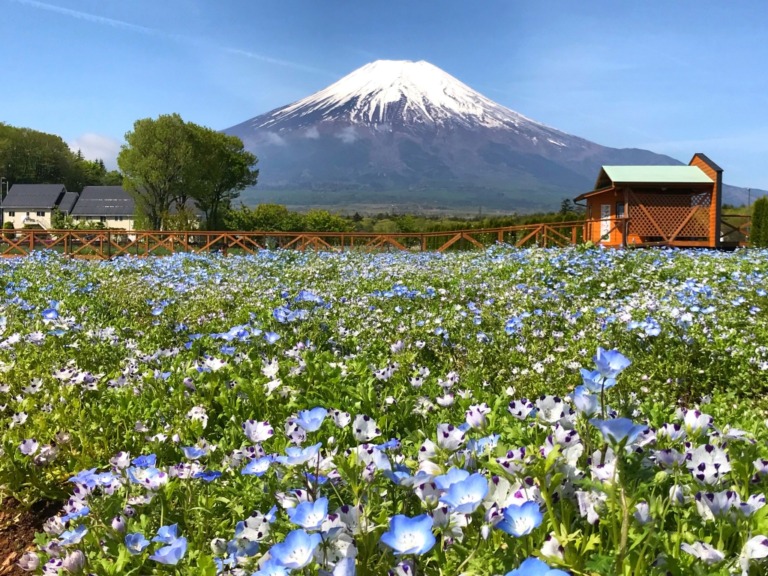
(605, 221)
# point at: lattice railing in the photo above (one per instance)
(669, 216)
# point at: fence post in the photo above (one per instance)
(109, 244)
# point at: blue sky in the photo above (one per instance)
(674, 77)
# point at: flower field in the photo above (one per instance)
(505, 412)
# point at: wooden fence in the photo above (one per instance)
(106, 244)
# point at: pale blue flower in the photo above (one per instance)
(594, 381)
(295, 455)
(73, 536)
(172, 553)
(618, 430)
(520, 520)
(584, 402)
(311, 420)
(296, 550)
(465, 496)
(167, 534)
(136, 543)
(610, 363)
(258, 466)
(535, 567)
(454, 475)
(309, 515)
(409, 535)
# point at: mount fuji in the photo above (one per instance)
(408, 136)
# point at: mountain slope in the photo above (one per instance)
(407, 135)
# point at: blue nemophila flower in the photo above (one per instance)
(595, 381)
(584, 402)
(151, 478)
(296, 550)
(295, 455)
(409, 535)
(309, 515)
(520, 520)
(465, 496)
(271, 337)
(194, 452)
(144, 461)
(311, 420)
(241, 547)
(454, 475)
(535, 567)
(258, 466)
(167, 534)
(610, 363)
(207, 475)
(136, 542)
(73, 536)
(618, 430)
(172, 553)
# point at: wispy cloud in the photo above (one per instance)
(87, 16)
(121, 24)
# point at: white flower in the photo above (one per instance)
(704, 552)
(364, 428)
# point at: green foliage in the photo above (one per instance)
(154, 159)
(220, 169)
(167, 161)
(266, 217)
(324, 221)
(759, 234)
(31, 157)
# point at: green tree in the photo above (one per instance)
(759, 233)
(324, 221)
(155, 160)
(264, 218)
(220, 169)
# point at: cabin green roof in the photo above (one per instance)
(656, 175)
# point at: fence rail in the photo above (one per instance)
(106, 244)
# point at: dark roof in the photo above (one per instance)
(104, 201)
(67, 202)
(707, 160)
(34, 196)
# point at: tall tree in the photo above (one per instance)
(154, 162)
(220, 169)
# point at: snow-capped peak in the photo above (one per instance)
(399, 91)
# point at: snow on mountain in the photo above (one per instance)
(407, 134)
(399, 92)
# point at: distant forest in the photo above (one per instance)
(31, 157)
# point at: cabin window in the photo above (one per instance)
(103, 218)
(11, 213)
(119, 218)
(619, 209)
(41, 214)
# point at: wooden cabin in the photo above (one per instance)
(656, 205)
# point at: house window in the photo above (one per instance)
(119, 218)
(27, 214)
(41, 214)
(103, 218)
(11, 213)
(619, 209)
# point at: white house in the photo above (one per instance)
(31, 205)
(113, 206)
